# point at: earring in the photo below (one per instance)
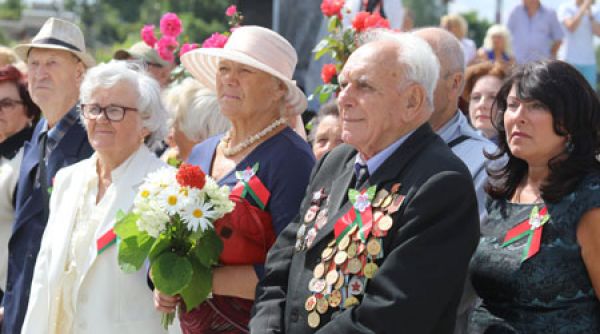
(569, 146)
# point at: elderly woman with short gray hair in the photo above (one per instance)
(77, 283)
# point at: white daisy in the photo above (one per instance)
(171, 200)
(198, 214)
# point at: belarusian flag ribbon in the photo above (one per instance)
(530, 228)
(250, 184)
(360, 214)
(105, 241)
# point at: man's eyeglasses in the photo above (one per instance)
(9, 104)
(113, 113)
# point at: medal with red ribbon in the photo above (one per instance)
(360, 215)
(530, 228)
(250, 184)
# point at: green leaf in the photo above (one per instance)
(133, 251)
(323, 44)
(352, 195)
(371, 192)
(171, 273)
(126, 226)
(161, 245)
(199, 287)
(334, 23)
(324, 97)
(208, 249)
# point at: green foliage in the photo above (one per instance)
(427, 12)
(11, 9)
(171, 273)
(477, 26)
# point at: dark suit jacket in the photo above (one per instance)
(29, 225)
(420, 280)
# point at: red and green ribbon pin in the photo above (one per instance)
(250, 184)
(360, 214)
(105, 241)
(530, 228)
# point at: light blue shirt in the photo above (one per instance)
(578, 45)
(470, 151)
(378, 159)
(533, 36)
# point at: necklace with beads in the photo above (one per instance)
(231, 151)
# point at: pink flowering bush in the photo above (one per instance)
(170, 25)
(186, 47)
(147, 35)
(166, 47)
(231, 10)
(216, 40)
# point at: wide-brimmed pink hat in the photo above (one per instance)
(255, 46)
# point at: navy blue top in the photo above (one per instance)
(286, 162)
(492, 56)
(550, 292)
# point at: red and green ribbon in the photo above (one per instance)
(250, 184)
(105, 241)
(360, 214)
(533, 232)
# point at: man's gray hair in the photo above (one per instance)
(149, 103)
(420, 63)
(195, 110)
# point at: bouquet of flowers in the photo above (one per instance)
(171, 225)
(167, 46)
(340, 43)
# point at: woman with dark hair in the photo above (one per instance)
(537, 267)
(18, 114)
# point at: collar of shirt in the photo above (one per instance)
(13, 144)
(56, 134)
(451, 129)
(378, 159)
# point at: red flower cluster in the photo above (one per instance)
(190, 176)
(328, 72)
(332, 7)
(364, 21)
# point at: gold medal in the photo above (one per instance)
(386, 202)
(351, 301)
(352, 248)
(314, 319)
(327, 254)
(311, 303)
(381, 195)
(385, 223)
(352, 230)
(335, 298)
(319, 270)
(332, 277)
(354, 265)
(331, 243)
(340, 258)
(322, 305)
(344, 243)
(373, 247)
(370, 269)
(340, 282)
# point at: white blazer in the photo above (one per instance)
(107, 299)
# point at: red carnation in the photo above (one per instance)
(332, 7)
(376, 21)
(190, 176)
(328, 72)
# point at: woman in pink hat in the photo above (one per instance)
(265, 162)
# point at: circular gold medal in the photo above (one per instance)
(314, 319)
(385, 223)
(340, 258)
(319, 270)
(344, 243)
(381, 195)
(327, 254)
(322, 305)
(387, 201)
(354, 266)
(340, 282)
(335, 298)
(352, 248)
(331, 243)
(351, 301)
(311, 303)
(370, 269)
(332, 277)
(373, 247)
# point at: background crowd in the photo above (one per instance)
(484, 161)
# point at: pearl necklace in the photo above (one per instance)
(231, 151)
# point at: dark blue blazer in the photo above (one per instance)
(29, 224)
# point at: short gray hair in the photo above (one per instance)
(149, 104)
(195, 110)
(420, 63)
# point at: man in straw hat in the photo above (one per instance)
(56, 61)
(158, 68)
(387, 251)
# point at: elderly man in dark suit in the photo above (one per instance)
(56, 62)
(389, 222)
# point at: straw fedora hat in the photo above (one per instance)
(255, 46)
(58, 34)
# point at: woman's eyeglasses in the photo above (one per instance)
(113, 113)
(9, 104)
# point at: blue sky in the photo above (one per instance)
(487, 8)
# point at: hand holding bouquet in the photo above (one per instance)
(171, 225)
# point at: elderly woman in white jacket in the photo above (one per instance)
(77, 284)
